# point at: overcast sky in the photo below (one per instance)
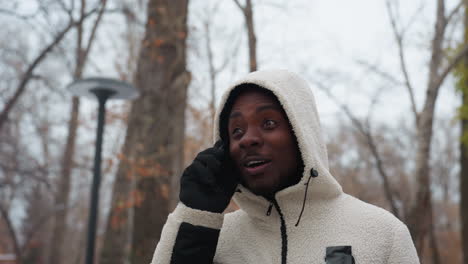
(308, 37)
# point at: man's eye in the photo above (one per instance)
(269, 124)
(236, 131)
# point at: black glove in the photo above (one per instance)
(210, 181)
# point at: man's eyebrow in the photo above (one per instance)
(234, 115)
(259, 109)
(270, 106)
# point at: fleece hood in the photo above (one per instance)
(298, 102)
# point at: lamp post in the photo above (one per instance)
(102, 89)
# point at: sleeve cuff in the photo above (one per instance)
(197, 217)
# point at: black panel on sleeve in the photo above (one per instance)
(195, 244)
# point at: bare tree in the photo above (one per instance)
(463, 86)
(21, 173)
(29, 73)
(247, 11)
(420, 216)
(364, 128)
(213, 69)
(419, 213)
(153, 148)
(35, 233)
(464, 179)
(351, 162)
(64, 182)
(13, 236)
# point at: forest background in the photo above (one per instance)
(389, 77)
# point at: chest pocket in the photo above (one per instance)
(339, 255)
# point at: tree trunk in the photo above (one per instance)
(420, 218)
(212, 72)
(153, 148)
(464, 177)
(63, 189)
(433, 242)
(464, 150)
(64, 184)
(162, 75)
(249, 22)
(14, 238)
(247, 11)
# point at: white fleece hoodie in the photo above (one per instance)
(266, 232)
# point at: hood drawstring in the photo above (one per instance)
(313, 174)
(268, 213)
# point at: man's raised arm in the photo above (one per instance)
(191, 232)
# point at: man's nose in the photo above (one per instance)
(251, 138)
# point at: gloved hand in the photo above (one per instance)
(210, 181)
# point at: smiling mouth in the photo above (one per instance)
(255, 163)
(254, 167)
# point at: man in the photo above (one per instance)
(271, 158)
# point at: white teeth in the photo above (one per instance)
(253, 162)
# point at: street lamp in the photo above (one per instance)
(102, 89)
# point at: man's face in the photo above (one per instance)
(262, 144)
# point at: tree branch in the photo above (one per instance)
(69, 11)
(94, 29)
(365, 131)
(38, 224)
(240, 6)
(13, 236)
(399, 39)
(454, 62)
(453, 13)
(29, 72)
(16, 15)
(412, 18)
(227, 59)
(375, 69)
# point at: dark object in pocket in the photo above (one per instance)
(339, 255)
